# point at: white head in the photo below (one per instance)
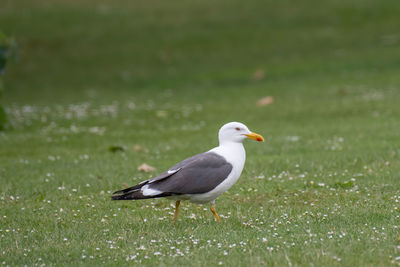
(236, 132)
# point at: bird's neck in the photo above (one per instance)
(231, 144)
(232, 151)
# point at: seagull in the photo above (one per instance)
(201, 178)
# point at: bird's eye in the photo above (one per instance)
(237, 129)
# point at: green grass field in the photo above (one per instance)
(323, 190)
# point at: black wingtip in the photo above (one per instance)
(130, 195)
(118, 192)
(130, 189)
(119, 197)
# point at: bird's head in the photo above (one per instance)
(237, 132)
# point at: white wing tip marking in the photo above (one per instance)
(173, 171)
(146, 191)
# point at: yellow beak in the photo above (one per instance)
(255, 136)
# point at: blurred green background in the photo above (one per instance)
(194, 49)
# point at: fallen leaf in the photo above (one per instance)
(258, 75)
(161, 113)
(116, 148)
(137, 148)
(343, 92)
(146, 168)
(265, 101)
(125, 185)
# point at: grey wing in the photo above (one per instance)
(171, 171)
(195, 175)
(174, 169)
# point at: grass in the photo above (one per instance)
(322, 190)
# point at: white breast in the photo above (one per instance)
(235, 154)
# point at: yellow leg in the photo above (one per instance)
(177, 203)
(212, 208)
